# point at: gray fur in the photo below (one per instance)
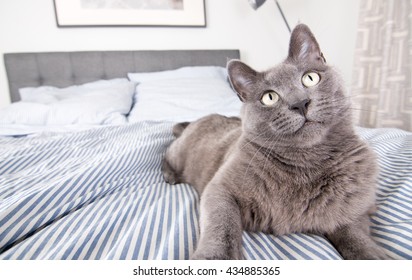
(282, 169)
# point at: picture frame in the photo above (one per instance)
(112, 13)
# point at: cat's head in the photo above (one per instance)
(295, 102)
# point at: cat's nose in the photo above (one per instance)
(301, 107)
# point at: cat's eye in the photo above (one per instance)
(269, 98)
(310, 79)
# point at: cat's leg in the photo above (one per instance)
(179, 128)
(169, 174)
(354, 241)
(220, 226)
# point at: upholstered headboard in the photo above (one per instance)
(63, 69)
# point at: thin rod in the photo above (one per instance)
(283, 16)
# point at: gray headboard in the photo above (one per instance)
(63, 69)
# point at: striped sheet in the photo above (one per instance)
(99, 194)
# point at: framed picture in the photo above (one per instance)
(78, 13)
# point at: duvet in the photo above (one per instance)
(100, 194)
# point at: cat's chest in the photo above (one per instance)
(276, 196)
(299, 203)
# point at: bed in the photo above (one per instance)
(90, 186)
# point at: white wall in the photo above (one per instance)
(30, 26)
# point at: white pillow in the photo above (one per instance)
(184, 72)
(48, 94)
(184, 99)
(96, 104)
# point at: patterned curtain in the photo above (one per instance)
(382, 82)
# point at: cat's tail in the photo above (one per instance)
(178, 128)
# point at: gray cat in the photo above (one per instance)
(293, 163)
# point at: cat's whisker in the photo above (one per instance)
(274, 141)
(347, 97)
(251, 160)
(366, 110)
(251, 140)
(266, 155)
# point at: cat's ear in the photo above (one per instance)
(242, 77)
(303, 46)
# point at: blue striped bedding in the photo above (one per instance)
(99, 194)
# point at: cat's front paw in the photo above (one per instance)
(369, 253)
(200, 256)
(374, 254)
(214, 255)
(169, 174)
